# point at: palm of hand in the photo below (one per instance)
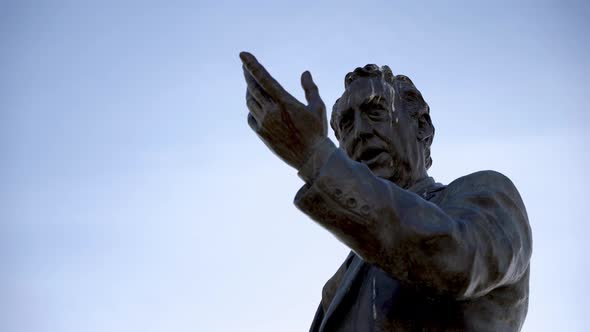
(288, 127)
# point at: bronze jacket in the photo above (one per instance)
(430, 258)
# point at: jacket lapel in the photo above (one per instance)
(356, 266)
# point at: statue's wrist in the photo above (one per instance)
(317, 158)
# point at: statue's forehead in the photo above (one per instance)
(362, 90)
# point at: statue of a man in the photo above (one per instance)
(425, 256)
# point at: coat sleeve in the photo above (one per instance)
(475, 239)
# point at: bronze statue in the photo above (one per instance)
(425, 256)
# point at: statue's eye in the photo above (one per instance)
(376, 113)
(376, 110)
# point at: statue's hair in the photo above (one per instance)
(398, 82)
(370, 70)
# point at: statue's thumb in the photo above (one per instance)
(312, 94)
(314, 101)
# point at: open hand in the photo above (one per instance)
(288, 127)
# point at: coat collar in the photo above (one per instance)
(426, 187)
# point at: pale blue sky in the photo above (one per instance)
(136, 198)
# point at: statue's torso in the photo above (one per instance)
(377, 302)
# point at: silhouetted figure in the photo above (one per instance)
(425, 256)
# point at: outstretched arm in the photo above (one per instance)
(476, 238)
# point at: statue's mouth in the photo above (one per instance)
(370, 155)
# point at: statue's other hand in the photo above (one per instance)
(288, 127)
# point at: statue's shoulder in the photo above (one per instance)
(490, 182)
(488, 191)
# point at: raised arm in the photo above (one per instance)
(474, 239)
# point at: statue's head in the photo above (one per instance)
(382, 121)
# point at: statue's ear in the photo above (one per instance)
(334, 119)
(335, 129)
(425, 128)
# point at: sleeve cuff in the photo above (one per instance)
(311, 168)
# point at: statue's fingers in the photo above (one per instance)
(255, 108)
(260, 130)
(266, 81)
(252, 122)
(256, 90)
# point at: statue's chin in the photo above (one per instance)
(384, 167)
(389, 174)
(383, 172)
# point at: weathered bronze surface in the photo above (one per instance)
(424, 256)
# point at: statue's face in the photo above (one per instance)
(378, 127)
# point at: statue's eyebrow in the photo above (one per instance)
(374, 101)
(369, 102)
